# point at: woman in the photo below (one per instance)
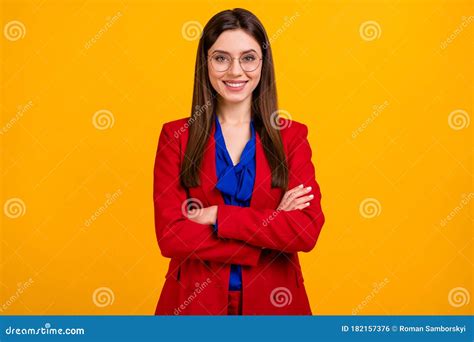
(223, 211)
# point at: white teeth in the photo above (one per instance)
(234, 85)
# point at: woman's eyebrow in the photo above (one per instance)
(227, 52)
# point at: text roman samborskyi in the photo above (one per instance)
(430, 328)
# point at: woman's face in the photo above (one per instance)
(234, 84)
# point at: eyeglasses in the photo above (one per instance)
(221, 61)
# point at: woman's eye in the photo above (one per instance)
(220, 59)
(249, 58)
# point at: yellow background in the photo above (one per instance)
(330, 76)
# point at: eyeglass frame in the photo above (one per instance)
(232, 59)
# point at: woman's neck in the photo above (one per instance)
(234, 113)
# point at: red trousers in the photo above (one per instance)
(235, 303)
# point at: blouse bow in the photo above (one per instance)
(236, 180)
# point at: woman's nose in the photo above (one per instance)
(235, 68)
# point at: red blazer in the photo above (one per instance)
(264, 241)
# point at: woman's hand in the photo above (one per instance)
(203, 215)
(296, 198)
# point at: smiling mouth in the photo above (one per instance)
(235, 84)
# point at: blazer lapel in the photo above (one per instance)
(208, 171)
(263, 178)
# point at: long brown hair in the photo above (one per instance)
(264, 100)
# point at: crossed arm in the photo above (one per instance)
(242, 231)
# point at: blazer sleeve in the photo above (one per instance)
(179, 237)
(287, 231)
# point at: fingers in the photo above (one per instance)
(302, 206)
(292, 192)
(302, 200)
(292, 198)
(301, 203)
(296, 188)
(287, 196)
(299, 192)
